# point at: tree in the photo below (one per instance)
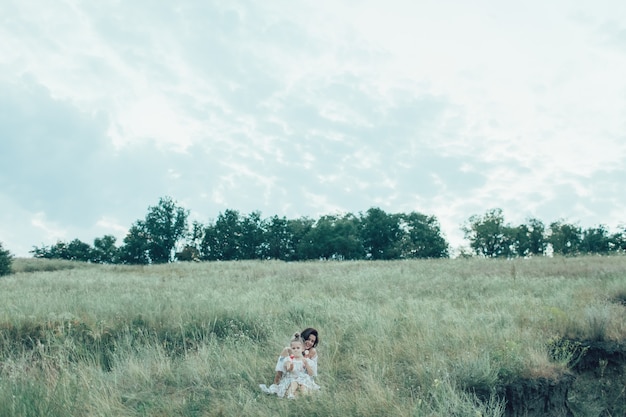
(297, 230)
(222, 240)
(381, 234)
(165, 225)
(104, 250)
(423, 237)
(565, 238)
(316, 243)
(346, 242)
(6, 260)
(78, 250)
(209, 250)
(228, 231)
(192, 249)
(530, 238)
(277, 242)
(40, 252)
(57, 251)
(154, 239)
(489, 236)
(618, 241)
(333, 237)
(252, 234)
(135, 247)
(596, 240)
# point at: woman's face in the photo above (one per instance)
(310, 342)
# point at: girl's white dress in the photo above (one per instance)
(298, 374)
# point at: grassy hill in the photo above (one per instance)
(400, 338)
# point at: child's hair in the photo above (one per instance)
(296, 338)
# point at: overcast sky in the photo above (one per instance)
(302, 108)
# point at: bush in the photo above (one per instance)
(5, 261)
(46, 265)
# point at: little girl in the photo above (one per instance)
(311, 339)
(298, 373)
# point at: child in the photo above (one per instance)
(297, 372)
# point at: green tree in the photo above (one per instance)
(135, 247)
(381, 234)
(6, 260)
(104, 250)
(41, 252)
(285, 239)
(192, 249)
(60, 250)
(277, 242)
(209, 246)
(565, 238)
(596, 240)
(297, 230)
(228, 229)
(222, 240)
(252, 235)
(489, 236)
(530, 238)
(346, 242)
(618, 241)
(78, 250)
(333, 237)
(423, 238)
(165, 225)
(57, 251)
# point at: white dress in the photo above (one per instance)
(280, 364)
(298, 374)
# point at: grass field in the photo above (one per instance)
(400, 338)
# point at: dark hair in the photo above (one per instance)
(308, 332)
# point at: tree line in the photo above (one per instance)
(165, 235)
(489, 236)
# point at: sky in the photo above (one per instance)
(302, 108)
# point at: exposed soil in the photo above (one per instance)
(539, 397)
(595, 387)
(599, 388)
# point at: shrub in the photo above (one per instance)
(5, 261)
(46, 265)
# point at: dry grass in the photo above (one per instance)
(405, 338)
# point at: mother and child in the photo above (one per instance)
(296, 367)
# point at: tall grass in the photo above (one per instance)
(404, 338)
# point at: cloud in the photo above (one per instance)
(51, 148)
(308, 109)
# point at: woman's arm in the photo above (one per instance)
(309, 367)
(312, 353)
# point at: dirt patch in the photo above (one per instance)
(601, 355)
(595, 387)
(599, 388)
(539, 397)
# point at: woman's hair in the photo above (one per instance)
(308, 332)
